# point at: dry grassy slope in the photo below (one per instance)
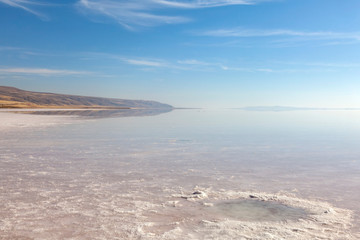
(16, 98)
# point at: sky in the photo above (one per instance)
(187, 53)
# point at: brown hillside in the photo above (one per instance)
(11, 97)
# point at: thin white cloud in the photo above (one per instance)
(194, 62)
(243, 33)
(203, 3)
(204, 66)
(268, 70)
(215, 66)
(201, 65)
(348, 65)
(132, 60)
(132, 13)
(189, 64)
(40, 71)
(148, 63)
(129, 13)
(26, 5)
(335, 65)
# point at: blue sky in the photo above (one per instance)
(188, 53)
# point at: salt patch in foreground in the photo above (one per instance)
(249, 215)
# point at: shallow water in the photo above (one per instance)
(255, 210)
(133, 177)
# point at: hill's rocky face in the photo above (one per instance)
(11, 97)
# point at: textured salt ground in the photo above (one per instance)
(96, 212)
(46, 197)
(322, 222)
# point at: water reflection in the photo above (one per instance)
(103, 113)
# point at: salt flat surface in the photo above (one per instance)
(164, 178)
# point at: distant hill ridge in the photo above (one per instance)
(11, 97)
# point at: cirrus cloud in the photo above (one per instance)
(27, 5)
(145, 13)
(40, 71)
(243, 33)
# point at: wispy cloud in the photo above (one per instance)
(27, 5)
(264, 68)
(348, 65)
(195, 62)
(203, 3)
(131, 60)
(40, 71)
(218, 65)
(191, 65)
(142, 62)
(243, 33)
(202, 65)
(132, 13)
